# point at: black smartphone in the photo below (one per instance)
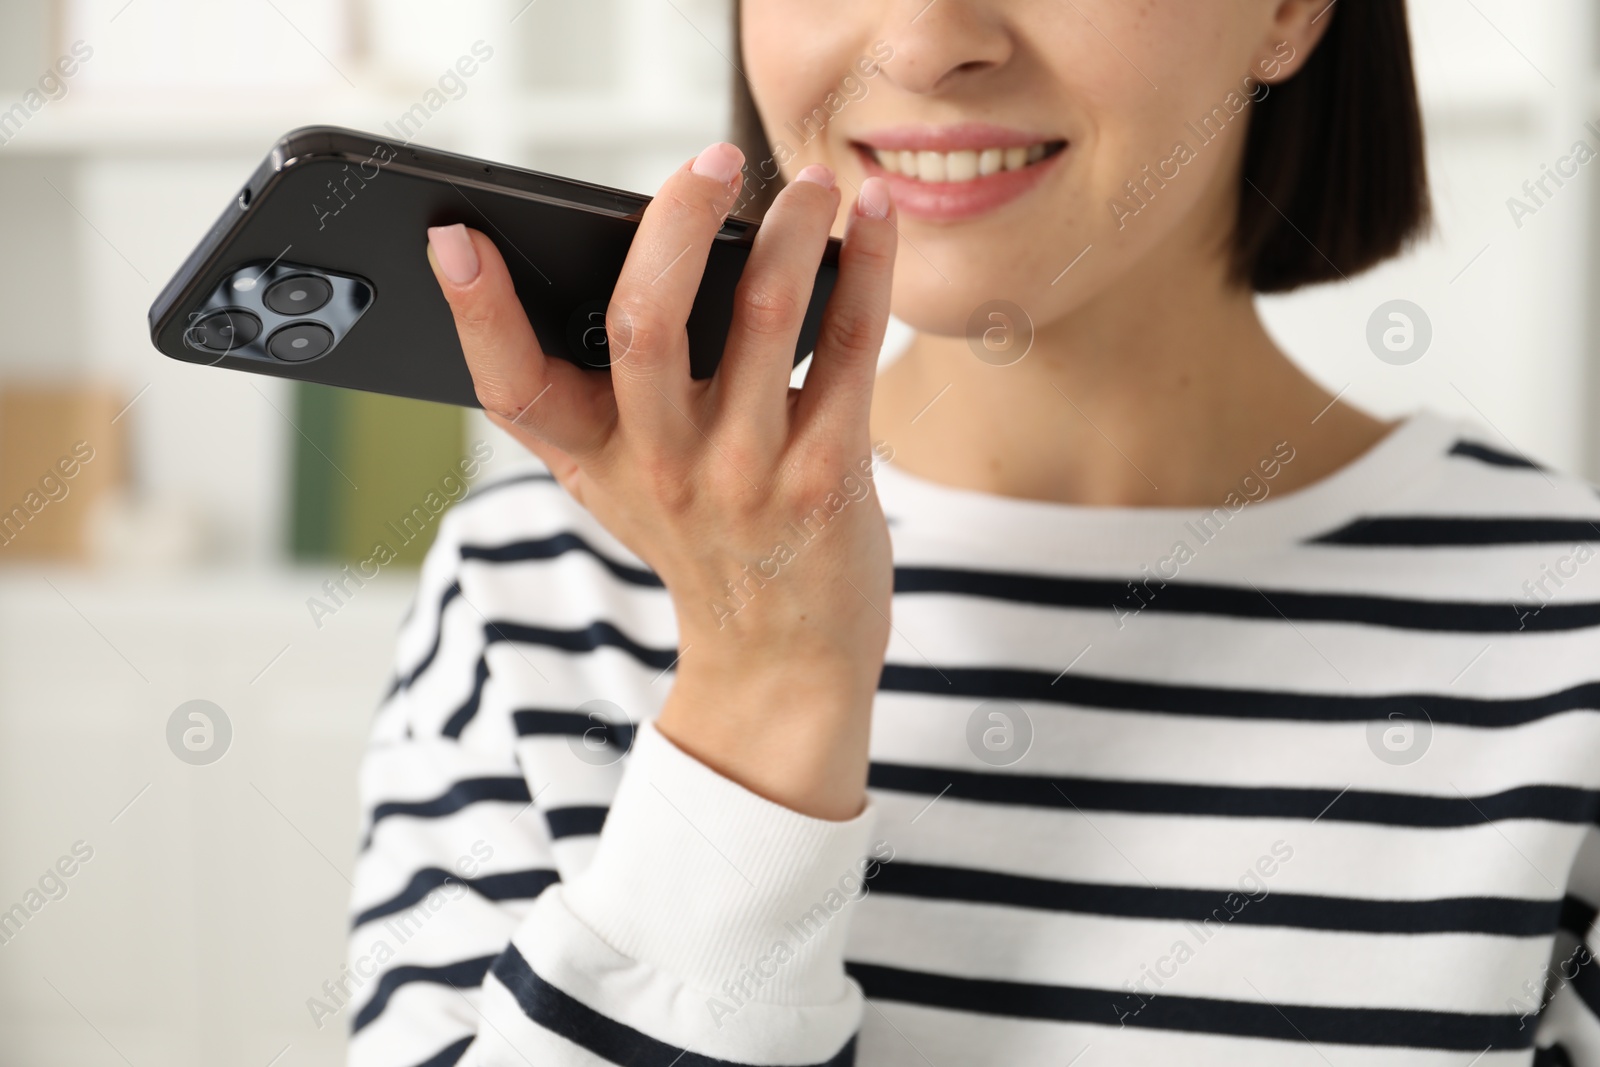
(318, 269)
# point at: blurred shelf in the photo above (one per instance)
(218, 125)
(36, 592)
(87, 637)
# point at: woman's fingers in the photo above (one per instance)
(566, 470)
(514, 379)
(751, 384)
(650, 305)
(837, 396)
(566, 414)
(548, 398)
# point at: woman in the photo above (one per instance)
(1207, 719)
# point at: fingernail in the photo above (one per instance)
(721, 161)
(816, 173)
(874, 199)
(453, 249)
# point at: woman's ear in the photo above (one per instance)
(1295, 29)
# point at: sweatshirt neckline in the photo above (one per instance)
(917, 505)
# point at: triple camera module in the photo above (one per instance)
(278, 312)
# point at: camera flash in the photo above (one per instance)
(244, 285)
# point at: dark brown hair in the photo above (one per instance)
(1334, 178)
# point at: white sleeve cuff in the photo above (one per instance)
(701, 878)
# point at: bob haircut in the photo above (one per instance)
(1334, 178)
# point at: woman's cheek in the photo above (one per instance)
(1153, 170)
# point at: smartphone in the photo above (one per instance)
(318, 271)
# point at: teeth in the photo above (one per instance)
(962, 166)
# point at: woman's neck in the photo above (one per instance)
(1163, 394)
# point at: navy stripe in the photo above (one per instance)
(615, 1042)
(556, 545)
(1198, 598)
(1550, 803)
(542, 722)
(453, 591)
(1554, 1056)
(464, 714)
(1084, 690)
(1496, 916)
(575, 821)
(465, 792)
(595, 636)
(1586, 982)
(1500, 916)
(1393, 1027)
(1175, 597)
(450, 593)
(507, 885)
(1426, 531)
(464, 974)
(450, 1055)
(1578, 916)
(1492, 456)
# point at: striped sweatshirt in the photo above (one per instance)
(1310, 778)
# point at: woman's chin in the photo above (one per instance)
(972, 308)
(936, 314)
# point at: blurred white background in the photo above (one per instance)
(215, 901)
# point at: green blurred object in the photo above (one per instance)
(363, 466)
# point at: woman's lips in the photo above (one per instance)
(991, 167)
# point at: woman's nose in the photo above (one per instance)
(940, 43)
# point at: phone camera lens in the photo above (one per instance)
(298, 294)
(300, 341)
(224, 331)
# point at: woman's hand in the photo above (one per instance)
(736, 479)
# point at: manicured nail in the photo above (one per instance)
(874, 199)
(721, 161)
(453, 249)
(816, 173)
